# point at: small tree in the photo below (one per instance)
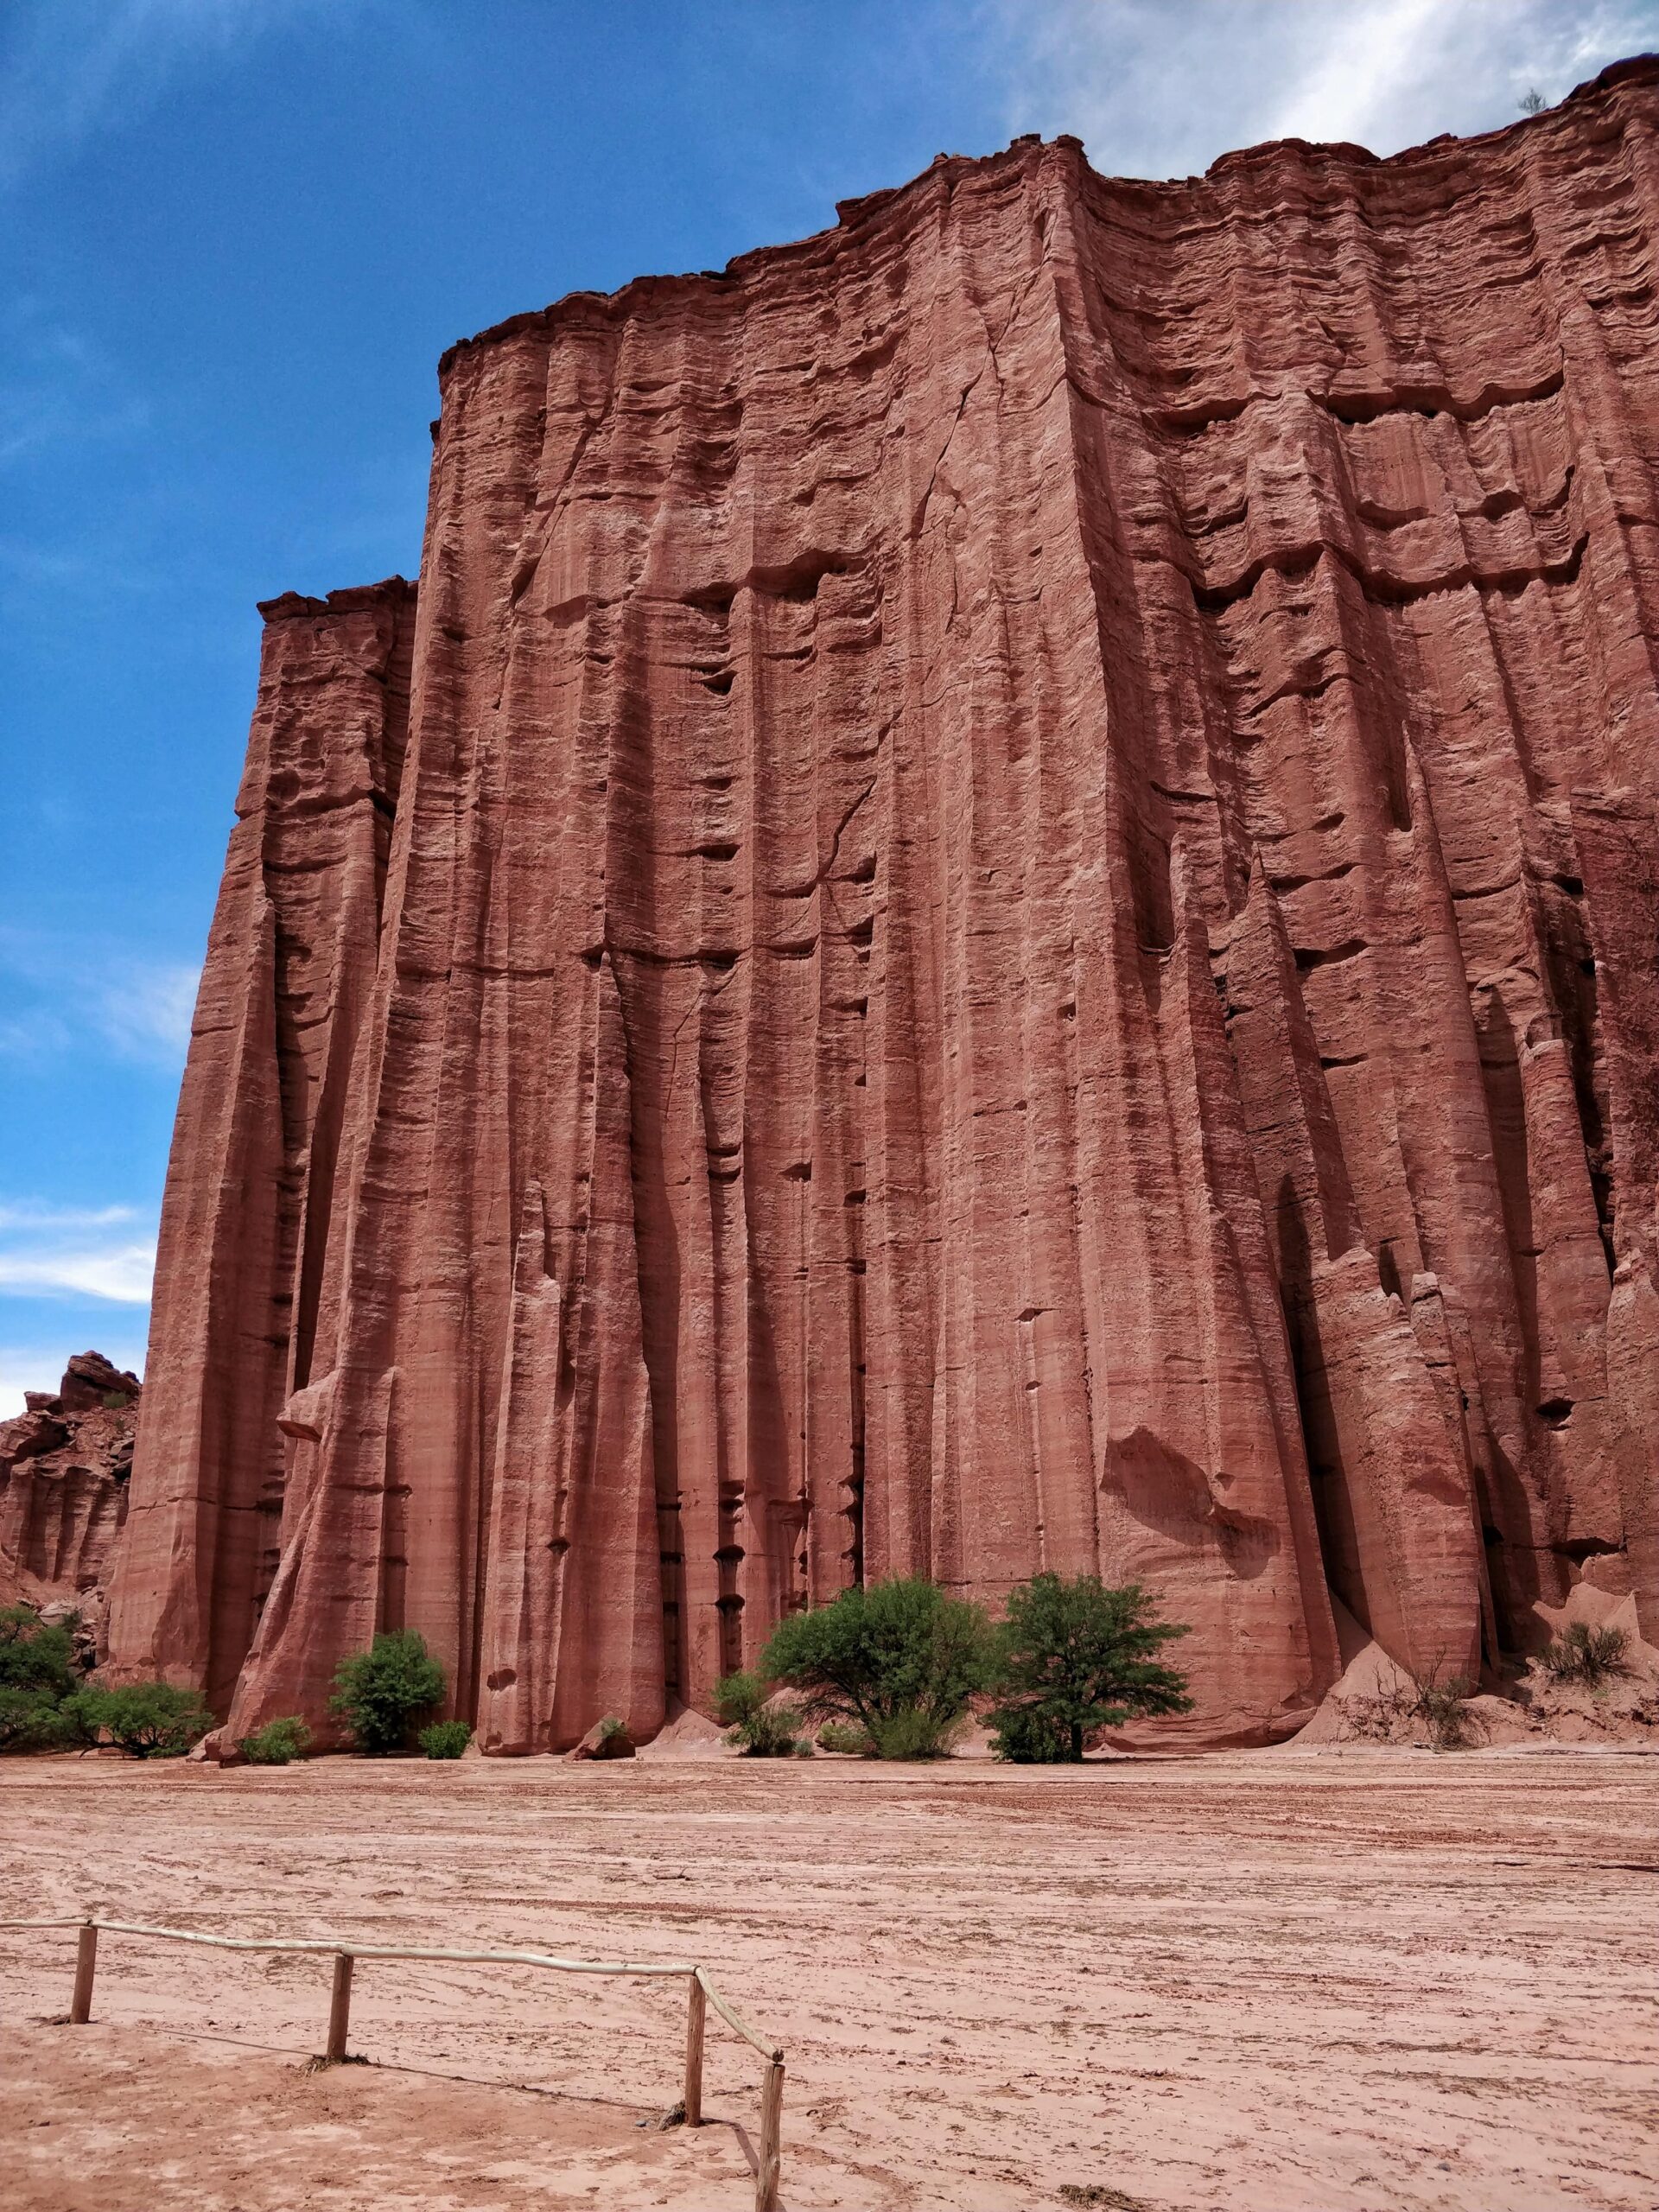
(1532, 102)
(148, 1720)
(1074, 1657)
(760, 1728)
(380, 1692)
(901, 1659)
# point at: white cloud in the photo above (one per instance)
(144, 1009)
(25, 1214)
(56, 992)
(104, 1252)
(1162, 87)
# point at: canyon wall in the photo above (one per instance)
(995, 911)
(65, 1463)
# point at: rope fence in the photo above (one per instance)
(345, 1952)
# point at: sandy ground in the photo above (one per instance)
(1349, 1981)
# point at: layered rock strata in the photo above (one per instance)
(65, 1466)
(996, 912)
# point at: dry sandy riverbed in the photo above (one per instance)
(1364, 1981)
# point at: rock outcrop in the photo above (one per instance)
(65, 1465)
(996, 911)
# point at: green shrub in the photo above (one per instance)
(1075, 1656)
(913, 1733)
(147, 1721)
(279, 1742)
(803, 1747)
(380, 1692)
(35, 1658)
(38, 1678)
(761, 1728)
(31, 1720)
(611, 1724)
(1583, 1653)
(847, 1736)
(1030, 1737)
(445, 1739)
(887, 1649)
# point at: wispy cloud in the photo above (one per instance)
(144, 1009)
(69, 68)
(1162, 87)
(104, 1252)
(25, 1214)
(56, 386)
(59, 994)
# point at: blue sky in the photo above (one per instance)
(235, 235)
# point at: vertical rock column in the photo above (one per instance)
(249, 1204)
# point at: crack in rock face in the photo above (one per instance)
(993, 910)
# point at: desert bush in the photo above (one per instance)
(1583, 1653)
(1430, 1700)
(1030, 1737)
(913, 1733)
(1073, 1656)
(279, 1742)
(1532, 102)
(1378, 1717)
(1441, 1704)
(882, 1650)
(445, 1739)
(846, 1736)
(147, 1721)
(380, 1693)
(761, 1728)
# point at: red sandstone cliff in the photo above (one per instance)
(65, 1463)
(998, 911)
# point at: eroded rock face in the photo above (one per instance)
(998, 911)
(65, 1465)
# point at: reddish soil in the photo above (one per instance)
(1350, 1981)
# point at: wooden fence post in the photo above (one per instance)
(695, 2006)
(80, 2005)
(772, 2113)
(340, 2008)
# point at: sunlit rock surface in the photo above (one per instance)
(65, 1465)
(997, 911)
